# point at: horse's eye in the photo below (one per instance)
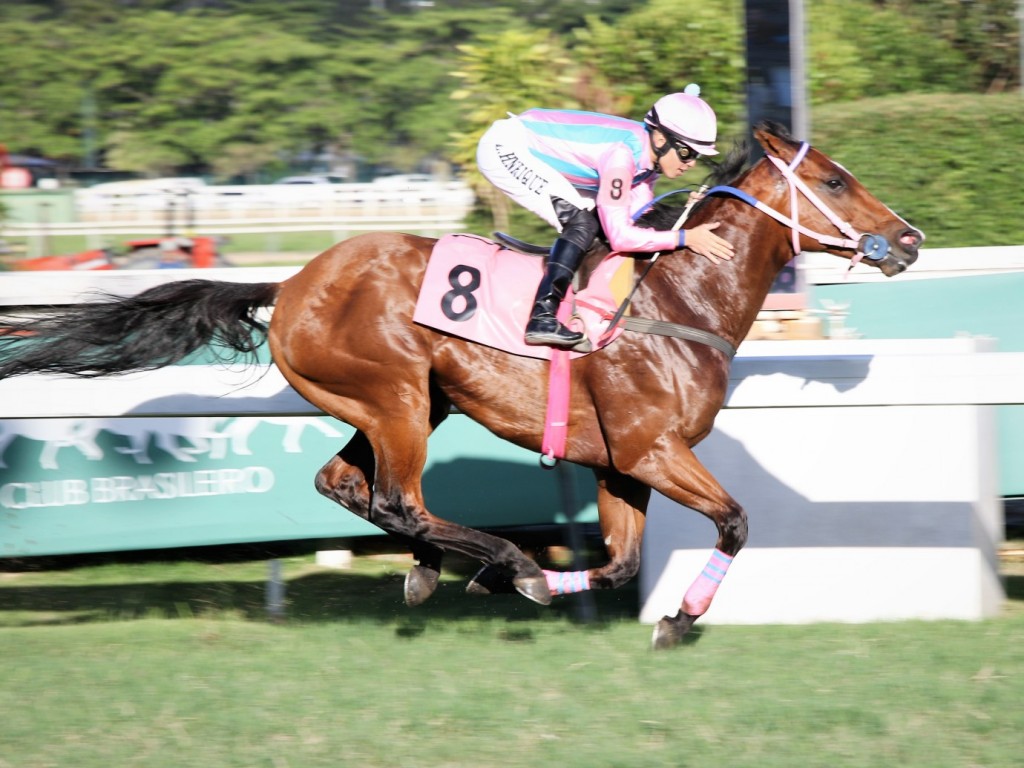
(835, 184)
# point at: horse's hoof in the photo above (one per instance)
(420, 584)
(533, 587)
(669, 632)
(490, 581)
(496, 581)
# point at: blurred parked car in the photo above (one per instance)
(316, 178)
(171, 252)
(400, 179)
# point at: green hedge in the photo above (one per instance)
(949, 163)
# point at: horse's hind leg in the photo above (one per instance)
(394, 455)
(344, 480)
(621, 506)
(397, 506)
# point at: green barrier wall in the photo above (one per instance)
(983, 305)
(32, 206)
(91, 485)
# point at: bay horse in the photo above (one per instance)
(342, 335)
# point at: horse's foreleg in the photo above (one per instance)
(693, 486)
(732, 535)
(344, 480)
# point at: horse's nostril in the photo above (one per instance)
(910, 239)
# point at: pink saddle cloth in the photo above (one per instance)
(479, 290)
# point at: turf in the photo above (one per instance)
(176, 664)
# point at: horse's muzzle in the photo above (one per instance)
(897, 260)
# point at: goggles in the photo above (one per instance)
(685, 152)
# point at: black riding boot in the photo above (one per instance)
(544, 327)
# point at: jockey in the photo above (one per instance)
(583, 171)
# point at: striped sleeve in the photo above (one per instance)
(617, 198)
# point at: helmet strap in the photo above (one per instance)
(659, 152)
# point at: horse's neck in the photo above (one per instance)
(724, 298)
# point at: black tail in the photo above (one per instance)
(156, 328)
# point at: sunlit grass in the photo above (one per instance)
(176, 664)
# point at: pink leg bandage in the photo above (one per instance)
(567, 582)
(700, 594)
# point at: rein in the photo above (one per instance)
(663, 327)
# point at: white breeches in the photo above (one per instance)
(504, 158)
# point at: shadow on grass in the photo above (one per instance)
(322, 596)
(319, 597)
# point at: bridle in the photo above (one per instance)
(865, 245)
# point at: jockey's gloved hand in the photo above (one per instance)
(702, 240)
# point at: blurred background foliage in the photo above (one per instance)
(948, 162)
(922, 97)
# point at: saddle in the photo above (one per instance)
(482, 290)
(597, 253)
(521, 245)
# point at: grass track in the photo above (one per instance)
(173, 665)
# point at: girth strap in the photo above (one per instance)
(663, 328)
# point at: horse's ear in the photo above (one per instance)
(775, 140)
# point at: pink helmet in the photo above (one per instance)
(687, 118)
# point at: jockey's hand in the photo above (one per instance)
(702, 240)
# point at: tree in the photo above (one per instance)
(179, 91)
(398, 74)
(236, 86)
(41, 97)
(858, 49)
(986, 34)
(506, 72)
(661, 47)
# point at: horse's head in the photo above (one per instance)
(834, 212)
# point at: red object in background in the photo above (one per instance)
(12, 177)
(15, 178)
(168, 252)
(171, 252)
(86, 260)
(149, 253)
(204, 252)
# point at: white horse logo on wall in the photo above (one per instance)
(181, 438)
